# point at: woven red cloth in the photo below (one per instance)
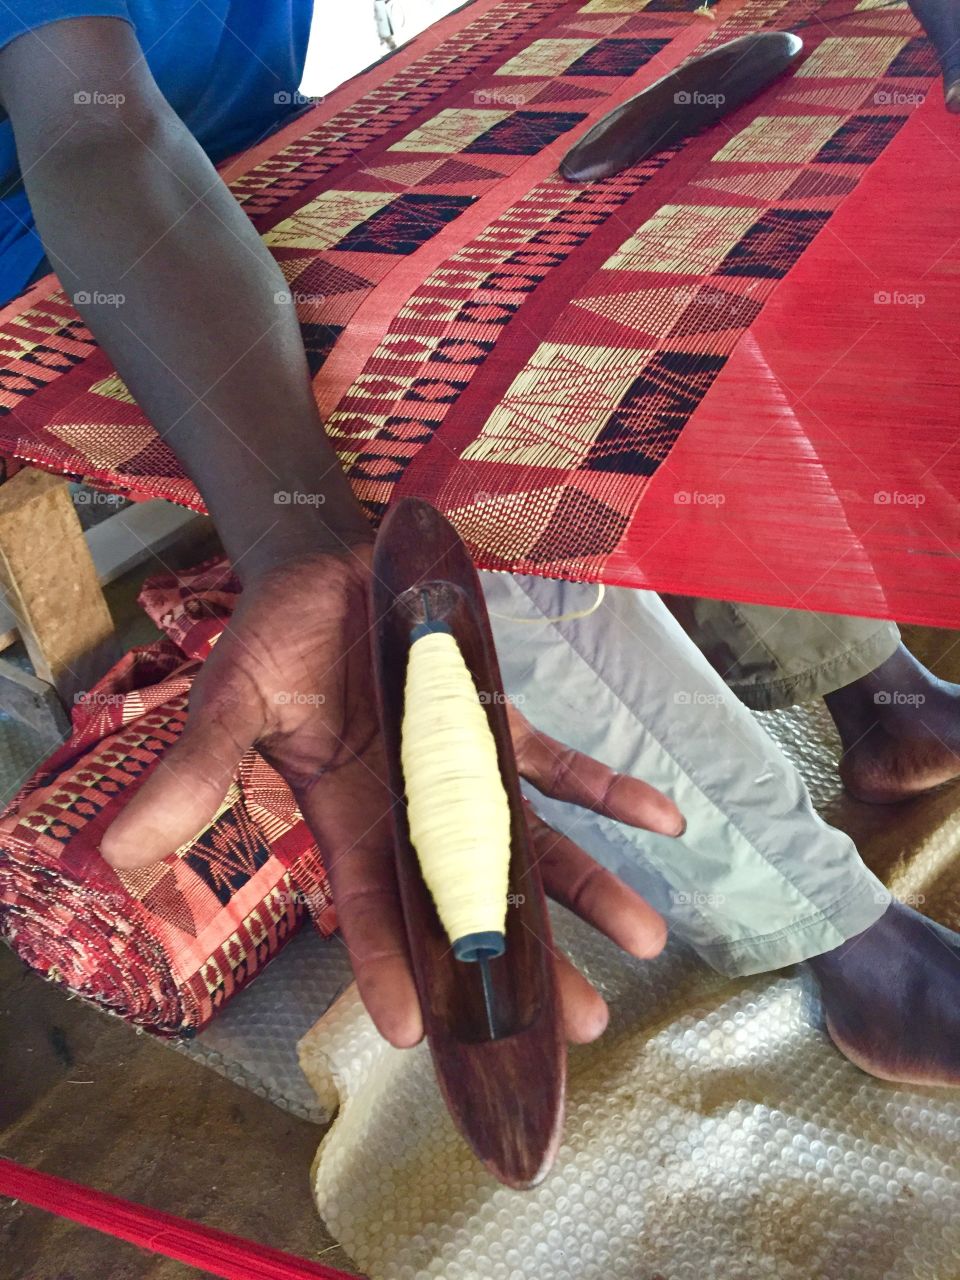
(167, 946)
(565, 370)
(830, 435)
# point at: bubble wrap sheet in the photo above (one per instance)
(253, 1041)
(713, 1132)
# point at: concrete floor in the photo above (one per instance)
(85, 1097)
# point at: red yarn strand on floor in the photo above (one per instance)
(215, 1252)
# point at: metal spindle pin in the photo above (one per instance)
(486, 979)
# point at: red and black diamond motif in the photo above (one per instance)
(405, 223)
(860, 140)
(319, 340)
(461, 351)
(615, 57)
(562, 237)
(774, 243)
(376, 467)
(227, 854)
(915, 59)
(511, 282)
(544, 258)
(435, 390)
(645, 427)
(487, 311)
(524, 133)
(408, 430)
(389, 465)
(586, 213)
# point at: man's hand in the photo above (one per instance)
(292, 675)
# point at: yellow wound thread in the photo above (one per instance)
(457, 808)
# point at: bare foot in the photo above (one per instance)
(900, 729)
(891, 997)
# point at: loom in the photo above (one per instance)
(475, 914)
(629, 381)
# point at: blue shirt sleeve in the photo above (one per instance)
(31, 14)
(229, 68)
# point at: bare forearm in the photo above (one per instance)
(178, 289)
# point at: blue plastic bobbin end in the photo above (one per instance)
(479, 946)
(428, 628)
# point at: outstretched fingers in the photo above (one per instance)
(585, 1012)
(563, 773)
(572, 878)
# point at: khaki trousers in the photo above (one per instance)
(758, 880)
(775, 658)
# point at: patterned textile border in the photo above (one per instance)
(542, 455)
(167, 946)
(277, 181)
(446, 171)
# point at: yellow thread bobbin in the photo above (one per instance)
(457, 809)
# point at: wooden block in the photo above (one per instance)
(134, 536)
(51, 586)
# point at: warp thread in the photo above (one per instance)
(216, 1252)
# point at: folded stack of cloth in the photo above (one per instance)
(167, 946)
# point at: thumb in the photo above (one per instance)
(183, 794)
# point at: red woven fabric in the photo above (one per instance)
(553, 365)
(831, 432)
(215, 1252)
(167, 946)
